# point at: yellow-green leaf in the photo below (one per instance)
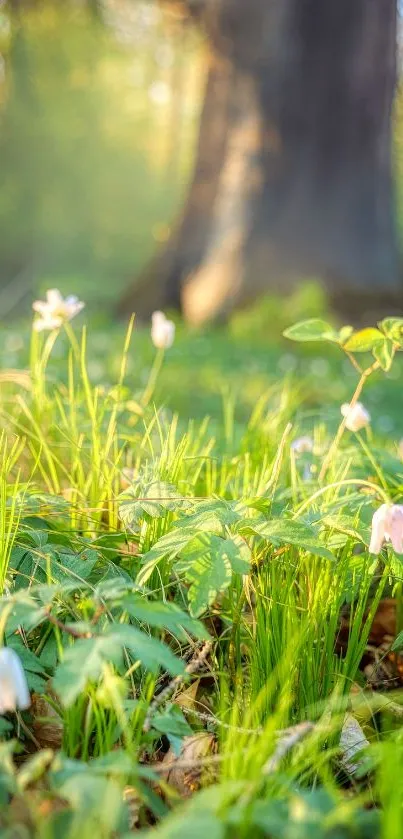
(393, 328)
(314, 329)
(384, 353)
(365, 340)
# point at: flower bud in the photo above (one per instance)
(162, 331)
(357, 417)
(14, 693)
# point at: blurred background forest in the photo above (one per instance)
(98, 117)
(100, 107)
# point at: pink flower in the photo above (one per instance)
(387, 526)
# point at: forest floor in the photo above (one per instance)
(209, 645)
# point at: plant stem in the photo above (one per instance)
(356, 395)
(152, 379)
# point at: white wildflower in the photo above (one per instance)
(302, 445)
(55, 310)
(387, 526)
(357, 416)
(162, 331)
(14, 693)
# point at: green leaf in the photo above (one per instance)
(168, 546)
(384, 353)
(236, 551)
(83, 661)
(153, 499)
(314, 329)
(30, 662)
(345, 333)
(98, 801)
(152, 653)
(393, 328)
(172, 722)
(166, 616)
(288, 532)
(34, 768)
(365, 340)
(197, 825)
(398, 642)
(208, 575)
(211, 516)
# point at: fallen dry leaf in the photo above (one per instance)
(185, 772)
(384, 623)
(47, 725)
(187, 698)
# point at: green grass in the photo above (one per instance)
(138, 534)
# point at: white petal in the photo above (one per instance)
(8, 699)
(378, 532)
(357, 417)
(54, 297)
(157, 318)
(41, 307)
(395, 528)
(13, 684)
(302, 445)
(74, 309)
(49, 323)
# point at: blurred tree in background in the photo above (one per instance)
(293, 174)
(99, 117)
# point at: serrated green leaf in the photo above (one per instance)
(236, 551)
(314, 329)
(288, 532)
(365, 340)
(168, 546)
(153, 499)
(384, 353)
(208, 576)
(83, 663)
(393, 328)
(84, 660)
(166, 616)
(152, 653)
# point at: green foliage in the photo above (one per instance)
(165, 581)
(382, 342)
(312, 330)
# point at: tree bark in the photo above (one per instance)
(293, 166)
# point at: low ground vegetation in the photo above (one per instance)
(204, 609)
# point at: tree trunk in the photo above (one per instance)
(293, 167)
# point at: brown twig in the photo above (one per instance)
(75, 633)
(195, 664)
